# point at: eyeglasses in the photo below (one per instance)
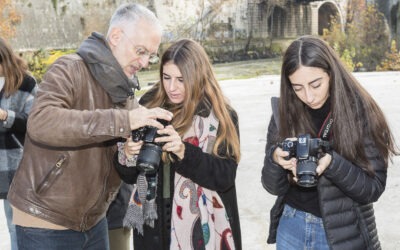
(142, 51)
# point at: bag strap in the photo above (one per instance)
(275, 109)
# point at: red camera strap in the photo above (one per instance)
(326, 129)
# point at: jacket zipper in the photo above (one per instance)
(60, 161)
(52, 175)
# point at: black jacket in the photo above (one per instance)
(204, 169)
(116, 211)
(345, 192)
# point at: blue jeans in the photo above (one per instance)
(46, 239)
(11, 227)
(300, 230)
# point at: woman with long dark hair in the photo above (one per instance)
(324, 199)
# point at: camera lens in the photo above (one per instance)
(150, 154)
(306, 173)
(149, 157)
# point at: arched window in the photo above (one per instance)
(326, 12)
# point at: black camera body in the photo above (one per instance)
(307, 151)
(149, 156)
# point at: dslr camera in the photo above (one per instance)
(307, 151)
(149, 156)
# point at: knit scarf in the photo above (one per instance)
(142, 208)
(199, 218)
(105, 68)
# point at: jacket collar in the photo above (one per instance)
(105, 68)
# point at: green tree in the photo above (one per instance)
(391, 62)
(365, 32)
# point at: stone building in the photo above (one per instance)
(296, 17)
(221, 25)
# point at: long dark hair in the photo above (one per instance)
(14, 68)
(355, 113)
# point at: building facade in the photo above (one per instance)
(65, 23)
(223, 26)
(391, 10)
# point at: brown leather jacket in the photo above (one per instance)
(66, 176)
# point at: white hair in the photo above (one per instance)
(129, 14)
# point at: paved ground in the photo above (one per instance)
(251, 99)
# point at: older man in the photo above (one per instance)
(66, 180)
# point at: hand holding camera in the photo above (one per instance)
(132, 148)
(149, 156)
(307, 152)
(152, 141)
(283, 159)
(141, 117)
(172, 141)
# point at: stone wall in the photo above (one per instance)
(65, 23)
(59, 23)
(222, 25)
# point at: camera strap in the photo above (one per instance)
(326, 130)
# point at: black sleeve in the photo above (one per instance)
(273, 177)
(207, 170)
(127, 174)
(355, 182)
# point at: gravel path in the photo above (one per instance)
(251, 99)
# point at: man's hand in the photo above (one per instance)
(142, 116)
